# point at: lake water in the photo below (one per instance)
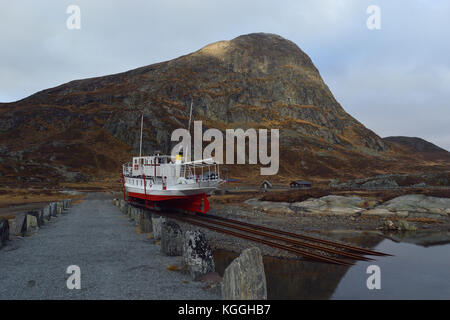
(414, 272)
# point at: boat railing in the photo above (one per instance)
(199, 170)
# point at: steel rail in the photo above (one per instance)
(269, 243)
(196, 218)
(292, 241)
(300, 236)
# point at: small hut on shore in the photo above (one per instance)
(266, 185)
(300, 184)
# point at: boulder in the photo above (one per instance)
(53, 209)
(171, 239)
(47, 212)
(244, 278)
(4, 232)
(156, 224)
(147, 222)
(66, 203)
(32, 222)
(38, 215)
(59, 207)
(130, 212)
(138, 217)
(20, 223)
(124, 207)
(197, 255)
(12, 227)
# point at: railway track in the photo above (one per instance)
(308, 247)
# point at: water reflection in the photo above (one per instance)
(415, 272)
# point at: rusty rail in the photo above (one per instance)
(300, 236)
(212, 222)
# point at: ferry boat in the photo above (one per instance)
(166, 181)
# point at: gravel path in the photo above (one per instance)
(115, 261)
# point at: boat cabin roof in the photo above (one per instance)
(152, 159)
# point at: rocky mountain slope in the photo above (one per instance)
(421, 147)
(85, 129)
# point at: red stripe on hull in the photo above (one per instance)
(153, 197)
(196, 203)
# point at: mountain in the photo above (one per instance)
(417, 144)
(420, 147)
(85, 129)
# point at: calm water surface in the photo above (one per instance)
(415, 272)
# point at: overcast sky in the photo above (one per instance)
(395, 80)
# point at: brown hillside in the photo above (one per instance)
(85, 129)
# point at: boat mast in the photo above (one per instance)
(140, 145)
(190, 117)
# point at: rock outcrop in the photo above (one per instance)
(413, 205)
(336, 205)
(401, 206)
(394, 181)
(333, 205)
(244, 278)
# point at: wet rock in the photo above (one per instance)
(244, 278)
(197, 255)
(156, 224)
(4, 232)
(171, 239)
